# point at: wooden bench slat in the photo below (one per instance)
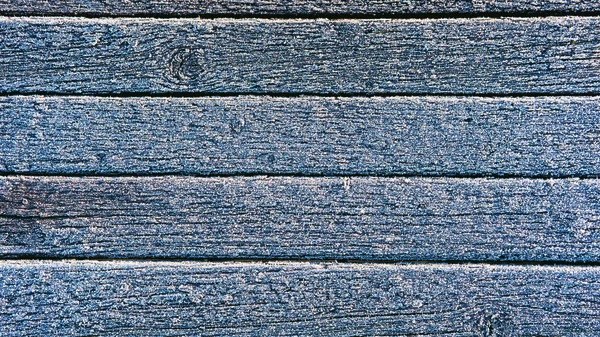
(290, 299)
(297, 7)
(557, 55)
(551, 136)
(312, 218)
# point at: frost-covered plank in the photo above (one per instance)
(552, 136)
(312, 218)
(486, 56)
(291, 299)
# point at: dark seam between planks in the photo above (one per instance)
(182, 94)
(557, 263)
(328, 16)
(297, 175)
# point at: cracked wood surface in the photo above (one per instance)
(552, 55)
(288, 7)
(290, 299)
(355, 219)
(311, 218)
(466, 136)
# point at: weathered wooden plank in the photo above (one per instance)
(278, 7)
(291, 299)
(550, 136)
(486, 56)
(290, 217)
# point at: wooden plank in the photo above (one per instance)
(313, 218)
(301, 7)
(291, 299)
(483, 56)
(550, 136)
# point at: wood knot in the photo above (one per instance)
(237, 124)
(496, 325)
(185, 65)
(267, 158)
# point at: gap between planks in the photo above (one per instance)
(302, 8)
(307, 95)
(265, 175)
(331, 17)
(298, 261)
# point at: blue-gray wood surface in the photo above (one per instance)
(457, 136)
(167, 166)
(296, 299)
(548, 55)
(286, 217)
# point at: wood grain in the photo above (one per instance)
(288, 7)
(291, 299)
(313, 218)
(557, 55)
(552, 136)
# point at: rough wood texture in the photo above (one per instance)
(420, 135)
(289, 7)
(292, 299)
(316, 218)
(488, 56)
